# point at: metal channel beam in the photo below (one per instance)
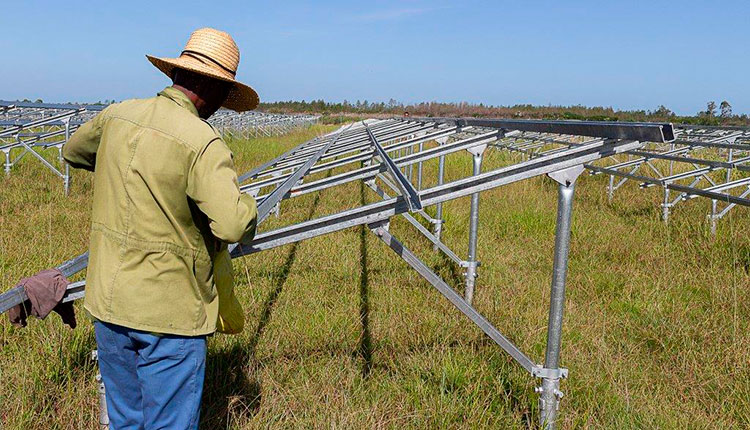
(651, 132)
(408, 191)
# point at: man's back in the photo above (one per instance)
(164, 189)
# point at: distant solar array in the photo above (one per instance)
(709, 162)
(27, 127)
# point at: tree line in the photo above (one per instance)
(713, 115)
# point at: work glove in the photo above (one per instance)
(231, 316)
(45, 291)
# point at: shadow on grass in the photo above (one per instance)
(449, 271)
(232, 386)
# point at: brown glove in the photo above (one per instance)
(45, 291)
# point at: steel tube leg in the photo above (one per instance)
(550, 390)
(439, 206)
(103, 414)
(66, 176)
(7, 163)
(713, 217)
(66, 179)
(665, 206)
(471, 264)
(409, 151)
(419, 168)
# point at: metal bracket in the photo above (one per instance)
(380, 227)
(543, 372)
(477, 150)
(566, 176)
(466, 264)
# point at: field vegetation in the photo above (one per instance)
(342, 334)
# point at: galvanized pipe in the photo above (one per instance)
(66, 176)
(471, 263)
(8, 164)
(439, 206)
(103, 414)
(665, 206)
(550, 393)
(419, 168)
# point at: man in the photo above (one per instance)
(166, 199)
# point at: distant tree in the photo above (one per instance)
(38, 101)
(726, 109)
(663, 112)
(711, 109)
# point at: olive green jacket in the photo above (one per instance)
(165, 198)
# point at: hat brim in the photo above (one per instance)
(241, 97)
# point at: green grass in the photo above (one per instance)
(341, 334)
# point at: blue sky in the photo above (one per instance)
(625, 54)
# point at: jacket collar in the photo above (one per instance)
(180, 98)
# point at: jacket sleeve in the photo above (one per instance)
(212, 184)
(80, 150)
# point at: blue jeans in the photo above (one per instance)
(152, 381)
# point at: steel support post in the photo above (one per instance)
(441, 178)
(713, 217)
(103, 414)
(410, 151)
(471, 264)
(549, 392)
(66, 174)
(8, 164)
(419, 168)
(665, 206)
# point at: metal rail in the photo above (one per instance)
(646, 132)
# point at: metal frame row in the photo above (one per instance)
(709, 162)
(29, 128)
(244, 125)
(387, 153)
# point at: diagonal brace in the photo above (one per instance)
(412, 260)
(410, 194)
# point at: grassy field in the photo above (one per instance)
(342, 334)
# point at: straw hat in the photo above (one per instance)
(212, 53)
